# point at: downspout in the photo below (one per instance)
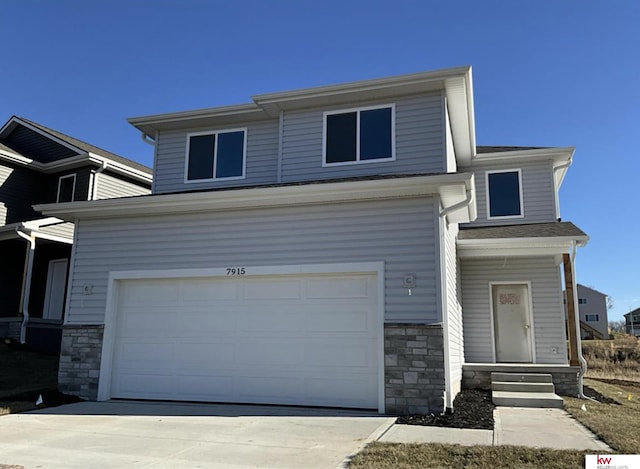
(583, 362)
(94, 186)
(26, 283)
(147, 139)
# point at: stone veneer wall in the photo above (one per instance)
(80, 360)
(565, 379)
(14, 328)
(413, 369)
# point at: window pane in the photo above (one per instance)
(375, 134)
(341, 137)
(65, 194)
(201, 157)
(504, 194)
(229, 162)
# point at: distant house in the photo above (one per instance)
(594, 322)
(40, 165)
(632, 322)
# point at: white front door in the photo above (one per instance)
(512, 323)
(56, 283)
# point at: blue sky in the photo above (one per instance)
(546, 73)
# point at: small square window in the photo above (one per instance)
(66, 188)
(359, 136)
(216, 155)
(504, 197)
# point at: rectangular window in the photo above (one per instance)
(592, 317)
(216, 155)
(359, 136)
(66, 188)
(504, 194)
(582, 301)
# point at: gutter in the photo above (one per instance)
(26, 283)
(94, 184)
(465, 203)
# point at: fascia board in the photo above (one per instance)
(196, 118)
(258, 197)
(560, 241)
(121, 168)
(558, 154)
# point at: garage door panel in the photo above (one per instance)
(207, 291)
(280, 289)
(304, 340)
(338, 288)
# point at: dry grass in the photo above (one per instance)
(414, 456)
(613, 359)
(618, 424)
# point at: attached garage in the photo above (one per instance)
(246, 336)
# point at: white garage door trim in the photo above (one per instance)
(115, 277)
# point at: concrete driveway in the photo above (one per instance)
(128, 434)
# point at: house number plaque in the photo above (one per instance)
(231, 271)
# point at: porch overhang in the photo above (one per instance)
(43, 228)
(538, 239)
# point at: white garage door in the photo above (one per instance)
(301, 340)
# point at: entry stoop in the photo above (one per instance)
(524, 390)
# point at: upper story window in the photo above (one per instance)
(504, 194)
(582, 301)
(66, 188)
(356, 136)
(216, 155)
(592, 317)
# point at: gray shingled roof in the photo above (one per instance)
(89, 148)
(535, 230)
(489, 149)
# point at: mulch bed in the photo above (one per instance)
(472, 409)
(593, 394)
(50, 398)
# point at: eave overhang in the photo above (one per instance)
(33, 228)
(450, 188)
(509, 247)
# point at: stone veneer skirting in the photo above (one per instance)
(565, 377)
(413, 369)
(80, 360)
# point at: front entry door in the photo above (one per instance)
(512, 323)
(56, 283)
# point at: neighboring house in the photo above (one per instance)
(594, 322)
(40, 165)
(346, 245)
(632, 322)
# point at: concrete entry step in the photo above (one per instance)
(527, 399)
(518, 386)
(522, 377)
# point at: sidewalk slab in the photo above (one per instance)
(420, 434)
(542, 428)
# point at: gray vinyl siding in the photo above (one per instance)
(37, 146)
(261, 163)
(420, 142)
(548, 313)
(61, 230)
(400, 232)
(537, 193)
(20, 188)
(454, 309)
(110, 187)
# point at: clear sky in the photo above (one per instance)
(546, 73)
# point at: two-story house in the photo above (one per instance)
(594, 320)
(40, 165)
(346, 245)
(632, 322)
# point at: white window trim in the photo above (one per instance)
(73, 190)
(486, 184)
(357, 111)
(215, 155)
